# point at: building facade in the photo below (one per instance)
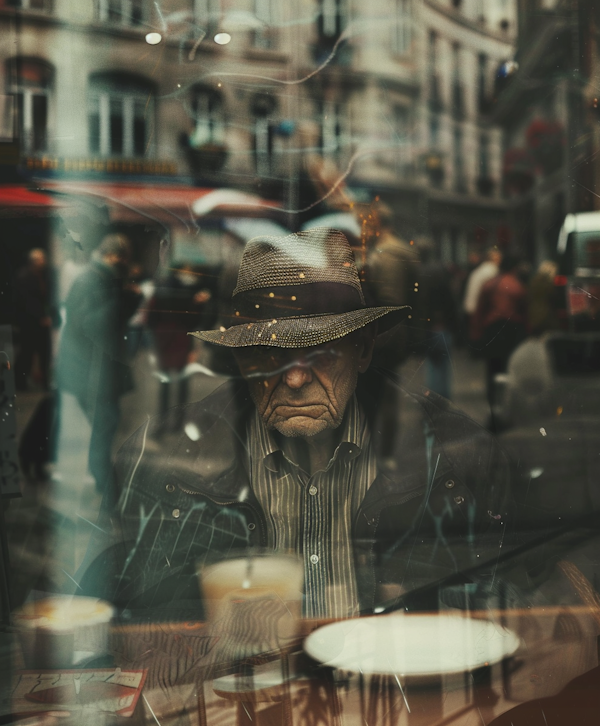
(441, 154)
(548, 108)
(395, 95)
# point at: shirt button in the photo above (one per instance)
(449, 484)
(314, 559)
(251, 526)
(459, 499)
(170, 488)
(313, 490)
(176, 513)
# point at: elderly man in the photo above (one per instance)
(288, 461)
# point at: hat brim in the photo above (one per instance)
(301, 331)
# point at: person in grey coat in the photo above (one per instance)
(92, 359)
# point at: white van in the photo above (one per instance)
(578, 257)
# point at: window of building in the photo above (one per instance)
(121, 114)
(332, 18)
(434, 130)
(263, 146)
(263, 109)
(435, 97)
(459, 169)
(29, 81)
(480, 11)
(7, 118)
(401, 136)
(43, 5)
(457, 88)
(482, 72)
(332, 128)
(456, 62)
(207, 12)
(484, 156)
(265, 37)
(402, 123)
(432, 52)
(402, 27)
(208, 116)
(124, 12)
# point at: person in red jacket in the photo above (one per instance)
(500, 323)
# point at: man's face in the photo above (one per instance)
(303, 392)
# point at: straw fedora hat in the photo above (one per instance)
(296, 292)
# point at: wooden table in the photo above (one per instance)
(558, 644)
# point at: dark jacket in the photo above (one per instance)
(92, 357)
(173, 312)
(33, 298)
(439, 510)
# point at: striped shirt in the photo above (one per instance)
(312, 515)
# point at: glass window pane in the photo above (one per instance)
(94, 132)
(115, 11)
(137, 12)
(139, 136)
(40, 122)
(313, 285)
(116, 126)
(20, 110)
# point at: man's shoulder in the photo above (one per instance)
(463, 441)
(204, 447)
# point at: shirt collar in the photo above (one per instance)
(354, 437)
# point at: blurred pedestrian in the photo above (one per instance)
(487, 270)
(473, 261)
(500, 321)
(436, 310)
(542, 299)
(178, 304)
(34, 319)
(138, 335)
(92, 358)
(389, 276)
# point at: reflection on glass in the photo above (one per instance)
(282, 180)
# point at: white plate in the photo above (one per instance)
(411, 645)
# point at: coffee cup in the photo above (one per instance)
(255, 602)
(61, 631)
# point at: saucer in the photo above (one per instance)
(411, 645)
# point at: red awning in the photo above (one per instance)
(19, 201)
(16, 196)
(167, 203)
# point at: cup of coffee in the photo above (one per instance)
(253, 603)
(61, 631)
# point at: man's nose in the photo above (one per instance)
(298, 375)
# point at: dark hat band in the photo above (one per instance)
(316, 298)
